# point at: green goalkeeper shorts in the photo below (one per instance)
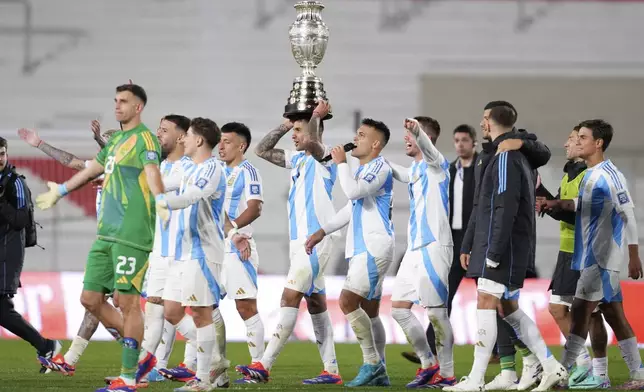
(111, 266)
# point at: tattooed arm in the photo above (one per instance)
(316, 148)
(266, 147)
(67, 159)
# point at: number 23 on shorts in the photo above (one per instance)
(129, 268)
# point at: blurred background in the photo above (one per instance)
(558, 62)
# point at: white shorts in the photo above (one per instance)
(306, 273)
(497, 289)
(599, 284)
(423, 276)
(173, 282)
(366, 274)
(565, 300)
(239, 278)
(157, 274)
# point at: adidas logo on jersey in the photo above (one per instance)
(192, 298)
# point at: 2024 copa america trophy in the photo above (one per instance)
(309, 37)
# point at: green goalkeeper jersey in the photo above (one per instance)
(127, 215)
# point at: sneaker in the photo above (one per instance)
(180, 373)
(57, 364)
(579, 374)
(367, 374)
(255, 370)
(550, 379)
(53, 348)
(466, 384)
(592, 382)
(145, 366)
(223, 381)
(195, 385)
(380, 381)
(324, 378)
(155, 376)
(423, 376)
(440, 382)
(246, 380)
(140, 384)
(632, 385)
(530, 375)
(503, 382)
(218, 369)
(118, 385)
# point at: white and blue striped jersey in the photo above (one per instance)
(243, 183)
(600, 236)
(370, 193)
(165, 237)
(310, 201)
(200, 226)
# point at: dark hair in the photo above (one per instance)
(238, 128)
(305, 117)
(429, 125)
(601, 130)
(464, 128)
(576, 128)
(502, 113)
(207, 129)
(3, 142)
(378, 126)
(136, 90)
(182, 122)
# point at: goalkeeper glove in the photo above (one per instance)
(50, 198)
(163, 211)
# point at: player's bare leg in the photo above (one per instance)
(107, 314)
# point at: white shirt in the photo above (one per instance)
(200, 232)
(310, 202)
(600, 228)
(428, 187)
(368, 213)
(165, 237)
(457, 216)
(243, 183)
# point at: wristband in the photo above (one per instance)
(231, 233)
(234, 224)
(62, 189)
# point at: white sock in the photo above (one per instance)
(75, 351)
(486, 338)
(255, 337)
(379, 337)
(361, 325)
(323, 330)
(190, 355)
(153, 327)
(283, 331)
(206, 343)
(528, 332)
(220, 331)
(631, 354)
(188, 330)
(573, 347)
(167, 343)
(584, 359)
(600, 367)
(444, 340)
(413, 330)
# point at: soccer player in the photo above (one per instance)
(66, 364)
(564, 279)
(605, 233)
(199, 250)
(243, 206)
(118, 258)
(309, 207)
(503, 247)
(369, 244)
(423, 273)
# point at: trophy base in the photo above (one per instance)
(305, 95)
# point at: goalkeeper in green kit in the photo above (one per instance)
(118, 258)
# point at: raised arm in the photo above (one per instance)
(425, 145)
(266, 147)
(368, 184)
(537, 153)
(64, 157)
(399, 172)
(507, 189)
(316, 148)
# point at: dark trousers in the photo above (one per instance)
(456, 275)
(16, 324)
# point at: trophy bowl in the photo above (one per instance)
(309, 37)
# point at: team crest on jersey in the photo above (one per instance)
(415, 178)
(231, 179)
(201, 183)
(254, 189)
(151, 155)
(369, 177)
(622, 197)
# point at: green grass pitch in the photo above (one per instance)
(19, 368)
